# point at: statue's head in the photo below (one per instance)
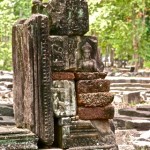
(86, 50)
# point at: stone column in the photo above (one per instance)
(32, 77)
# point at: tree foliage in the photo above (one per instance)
(10, 11)
(123, 26)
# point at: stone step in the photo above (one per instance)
(128, 79)
(7, 120)
(143, 108)
(143, 142)
(104, 147)
(15, 138)
(147, 94)
(144, 85)
(138, 123)
(6, 110)
(120, 92)
(8, 78)
(133, 112)
(129, 89)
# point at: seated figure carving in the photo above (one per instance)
(86, 63)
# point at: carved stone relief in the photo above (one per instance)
(70, 53)
(64, 98)
(32, 78)
(86, 135)
(58, 46)
(68, 17)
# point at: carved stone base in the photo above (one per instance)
(79, 133)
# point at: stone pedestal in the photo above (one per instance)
(75, 133)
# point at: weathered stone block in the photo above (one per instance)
(89, 75)
(92, 86)
(133, 112)
(63, 76)
(143, 107)
(15, 138)
(95, 113)
(95, 99)
(6, 110)
(32, 103)
(68, 17)
(70, 53)
(64, 98)
(84, 134)
(132, 97)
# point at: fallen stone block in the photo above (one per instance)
(7, 78)
(121, 122)
(133, 112)
(8, 85)
(138, 124)
(143, 107)
(132, 97)
(7, 120)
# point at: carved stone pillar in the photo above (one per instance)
(32, 77)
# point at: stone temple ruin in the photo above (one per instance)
(60, 91)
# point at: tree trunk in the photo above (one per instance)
(112, 57)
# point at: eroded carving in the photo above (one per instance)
(70, 53)
(86, 63)
(32, 70)
(68, 17)
(58, 46)
(63, 97)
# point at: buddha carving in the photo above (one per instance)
(86, 63)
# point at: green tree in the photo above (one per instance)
(121, 26)
(10, 11)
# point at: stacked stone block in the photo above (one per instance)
(80, 93)
(94, 99)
